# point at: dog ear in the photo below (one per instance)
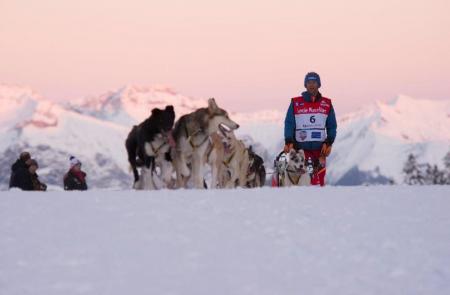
(212, 105)
(169, 108)
(156, 112)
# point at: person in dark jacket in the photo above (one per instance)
(310, 125)
(75, 179)
(27, 179)
(22, 162)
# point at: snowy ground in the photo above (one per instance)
(335, 240)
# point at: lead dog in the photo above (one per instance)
(215, 156)
(236, 161)
(191, 135)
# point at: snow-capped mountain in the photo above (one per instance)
(131, 104)
(52, 133)
(373, 144)
(371, 147)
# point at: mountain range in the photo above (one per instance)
(371, 147)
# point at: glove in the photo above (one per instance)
(288, 147)
(326, 150)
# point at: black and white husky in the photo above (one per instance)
(295, 172)
(256, 174)
(147, 145)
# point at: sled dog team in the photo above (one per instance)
(162, 148)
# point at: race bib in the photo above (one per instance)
(310, 119)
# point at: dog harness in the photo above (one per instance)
(156, 150)
(311, 118)
(190, 137)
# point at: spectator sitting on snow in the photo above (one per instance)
(75, 179)
(27, 179)
(22, 162)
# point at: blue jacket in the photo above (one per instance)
(289, 127)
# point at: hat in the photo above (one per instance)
(74, 161)
(33, 162)
(312, 76)
(24, 156)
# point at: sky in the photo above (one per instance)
(249, 55)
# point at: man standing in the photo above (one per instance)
(310, 125)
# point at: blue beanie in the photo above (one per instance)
(312, 76)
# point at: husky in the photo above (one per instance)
(256, 175)
(236, 162)
(215, 156)
(148, 141)
(296, 172)
(191, 135)
(159, 173)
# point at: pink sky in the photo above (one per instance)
(247, 54)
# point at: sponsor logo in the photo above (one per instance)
(311, 110)
(303, 134)
(316, 134)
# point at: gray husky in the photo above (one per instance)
(191, 135)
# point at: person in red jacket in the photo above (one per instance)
(75, 179)
(310, 125)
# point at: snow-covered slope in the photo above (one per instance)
(131, 104)
(374, 143)
(361, 240)
(52, 133)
